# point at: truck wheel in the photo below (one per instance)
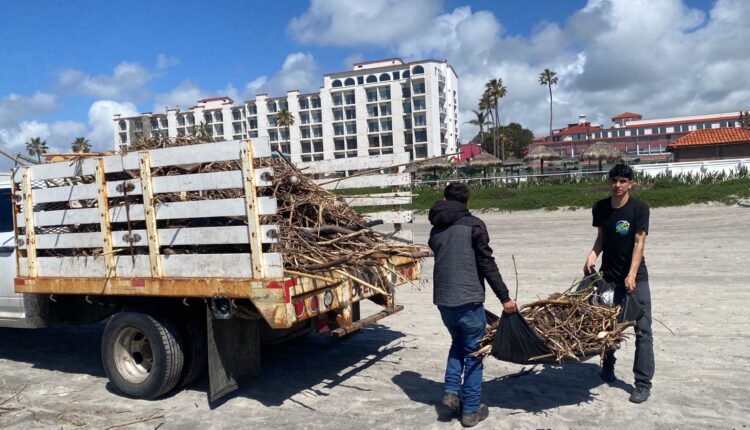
(142, 355)
(193, 332)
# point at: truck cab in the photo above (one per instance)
(11, 303)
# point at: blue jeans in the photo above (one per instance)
(466, 325)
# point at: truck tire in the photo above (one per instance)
(195, 352)
(142, 354)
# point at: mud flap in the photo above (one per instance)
(233, 353)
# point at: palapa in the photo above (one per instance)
(601, 151)
(542, 153)
(483, 161)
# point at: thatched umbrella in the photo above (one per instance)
(601, 151)
(512, 162)
(542, 153)
(433, 165)
(483, 161)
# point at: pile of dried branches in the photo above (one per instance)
(320, 235)
(571, 325)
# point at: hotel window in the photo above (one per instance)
(406, 74)
(405, 91)
(420, 136)
(420, 120)
(419, 88)
(236, 115)
(338, 114)
(272, 121)
(396, 75)
(360, 80)
(385, 125)
(252, 109)
(271, 106)
(407, 106)
(336, 83)
(311, 150)
(337, 100)
(349, 82)
(218, 117)
(338, 129)
(420, 151)
(163, 122)
(351, 113)
(181, 121)
(351, 127)
(316, 116)
(349, 98)
(419, 104)
(138, 125)
(372, 111)
(317, 131)
(345, 148)
(305, 132)
(154, 123)
(371, 79)
(191, 119)
(384, 93)
(385, 109)
(304, 104)
(304, 118)
(315, 101)
(237, 128)
(372, 95)
(252, 123)
(379, 145)
(123, 125)
(207, 118)
(385, 77)
(417, 70)
(372, 126)
(273, 135)
(407, 122)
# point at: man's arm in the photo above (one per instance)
(480, 240)
(635, 263)
(590, 265)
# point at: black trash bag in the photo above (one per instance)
(631, 309)
(516, 342)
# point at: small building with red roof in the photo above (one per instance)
(712, 144)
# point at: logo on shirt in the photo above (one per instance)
(622, 227)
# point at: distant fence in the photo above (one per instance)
(693, 167)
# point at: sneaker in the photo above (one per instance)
(640, 395)
(608, 373)
(452, 402)
(470, 420)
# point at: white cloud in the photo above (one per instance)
(164, 61)
(300, 72)
(58, 134)
(184, 95)
(15, 107)
(656, 58)
(101, 125)
(374, 22)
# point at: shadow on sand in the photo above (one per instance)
(546, 387)
(287, 369)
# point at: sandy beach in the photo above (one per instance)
(389, 375)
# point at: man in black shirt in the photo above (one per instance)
(463, 261)
(622, 223)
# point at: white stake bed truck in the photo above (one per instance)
(66, 257)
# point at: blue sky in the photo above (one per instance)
(66, 66)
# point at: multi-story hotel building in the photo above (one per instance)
(632, 134)
(379, 107)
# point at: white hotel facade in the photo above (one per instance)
(379, 107)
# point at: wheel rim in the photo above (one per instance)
(133, 355)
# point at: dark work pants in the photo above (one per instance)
(643, 366)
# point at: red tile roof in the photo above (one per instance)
(713, 136)
(627, 115)
(579, 128)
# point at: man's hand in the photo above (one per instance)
(509, 307)
(630, 283)
(590, 266)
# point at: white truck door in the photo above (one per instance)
(11, 303)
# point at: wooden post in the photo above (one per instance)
(149, 212)
(105, 227)
(251, 203)
(28, 213)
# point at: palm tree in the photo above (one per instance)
(480, 121)
(37, 146)
(285, 119)
(495, 90)
(81, 144)
(485, 105)
(548, 78)
(203, 133)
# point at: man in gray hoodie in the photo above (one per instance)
(463, 261)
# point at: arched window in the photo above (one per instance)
(417, 70)
(336, 83)
(349, 81)
(371, 79)
(405, 74)
(385, 77)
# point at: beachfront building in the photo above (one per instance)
(635, 136)
(379, 107)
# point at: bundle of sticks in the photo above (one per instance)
(570, 324)
(320, 235)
